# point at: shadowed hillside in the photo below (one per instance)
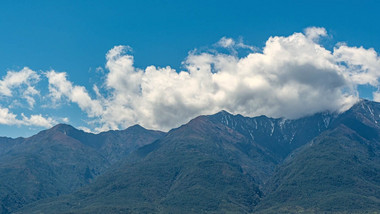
(59, 161)
(227, 163)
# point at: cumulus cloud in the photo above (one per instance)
(362, 65)
(60, 87)
(9, 118)
(291, 77)
(23, 82)
(37, 120)
(21, 85)
(314, 33)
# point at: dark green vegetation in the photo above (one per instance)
(60, 160)
(338, 171)
(324, 163)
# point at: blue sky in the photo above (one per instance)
(75, 36)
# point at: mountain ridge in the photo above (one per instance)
(60, 160)
(230, 163)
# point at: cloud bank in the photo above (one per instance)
(290, 77)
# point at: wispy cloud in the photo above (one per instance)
(60, 87)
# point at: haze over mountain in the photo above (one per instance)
(326, 162)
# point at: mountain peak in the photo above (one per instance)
(207, 162)
(136, 127)
(63, 128)
(223, 113)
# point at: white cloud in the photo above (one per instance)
(22, 81)
(291, 77)
(21, 84)
(9, 118)
(314, 33)
(226, 42)
(362, 64)
(85, 129)
(376, 96)
(38, 120)
(59, 86)
(233, 46)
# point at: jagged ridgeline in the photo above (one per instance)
(222, 163)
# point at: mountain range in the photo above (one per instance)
(221, 163)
